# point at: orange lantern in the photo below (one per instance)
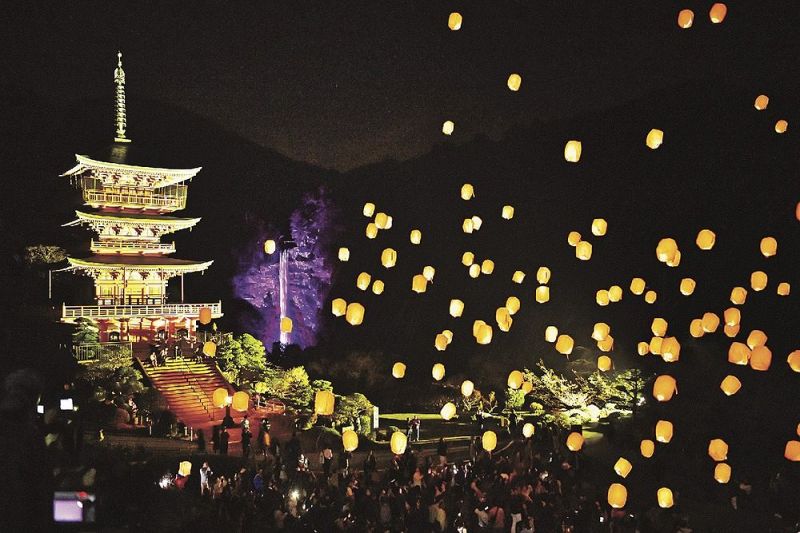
(794, 360)
(617, 495)
(722, 473)
(515, 379)
(573, 238)
(760, 358)
(738, 353)
(518, 276)
(664, 496)
(220, 397)
(324, 401)
(600, 331)
(355, 314)
(781, 126)
(209, 349)
(664, 431)
(448, 411)
(643, 348)
(762, 101)
(666, 250)
(572, 151)
(438, 371)
(664, 387)
(551, 333)
(338, 307)
(758, 280)
(602, 297)
(467, 388)
(647, 448)
(583, 250)
(650, 297)
(623, 467)
(369, 209)
(687, 286)
(489, 441)
(398, 443)
(607, 344)
(710, 322)
(654, 139)
(730, 385)
(685, 18)
(637, 286)
(528, 430)
(717, 12)
(542, 294)
(349, 440)
(792, 450)
(399, 370)
(574, 441)
(738, 295)
(718, 449)
(615, 293)
(564, 344)
(604, 363)
(769, 246)
(659, 327)
(454, 21)
(241, 401)
(543, 275)
(784, 289)
(731, 331)
(732, 316)
(599, 227)
(756, 338)
(205, 315)
(286, 324)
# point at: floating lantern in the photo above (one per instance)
(428, 272)
(614, 293)
(710, 322)
(438, 371)
(382, 220)
(654, 139)
(209, 349)
(655, 345)
(650, 297)
(607, 344)
(794, 360)
(543, 275)
(344, 254)
(467, 191)
(338, 306)
(398, 443)
(528, 430)
(349, 440)
(399, 370)
(449, 334)
(760, 358)
(269, 247)
(448, 411)
(664, 496)
(503, 319)
(769, 246)
(670, 350)
(572, 151)
(512, 304)
(241, 401)
(448, 127)
(637, 286)
(722, 473)
(363, 280)
(467, 388)
(377, 287)
(324, 401)
(600, 331)
(508, 212)
(659, 327)
(599, 227)
(550, 333)
(718, 449)
(476, 325)
(184, 468)
(467, 258)
(474, 270)
(440, 342)
(685, 18)
(738, 295)
(484, 335)
(730, 385)
(542, 294)
(623, 467)
(527, 387)
(564, 344)
(514, 81)
(717, 12)
(574, 441)
(369, 209)
(456, 307)
(758, 280)
(738, 353)
(220, 397)
(416, 236)
(477, 222)
(371, 231)
(515, 379)
(732, 316)
(664, 387)
(643, 348)
(602, 297)
(756, 338)
(784, 289)
(617, 495)
(706, 239)
(664, 431)
(489, 441)
(454, 21)
(792, 450)
(573, 238)
(204, 315)
(687, 286)
(419, 284)
(781, 126)
(583, 250)
(675, 261)
(389, 257)
(666, 250)
(604, 363)
(286, 324)
(354, 314)
(647, 448)
(487, 266)
(518, 276)
(731, 331)
(762, 101)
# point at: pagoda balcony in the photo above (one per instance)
(69, 313)
(144, 199)
(132, 247)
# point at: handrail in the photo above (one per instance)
(91, 351)
(185, 309)
(143, 199)
(131, 245)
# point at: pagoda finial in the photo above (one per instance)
(119, 103)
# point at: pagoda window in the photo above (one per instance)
(116, 229)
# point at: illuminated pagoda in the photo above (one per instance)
(128, 211)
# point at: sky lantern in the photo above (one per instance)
(467, 258)
(738, 353)
(487, 266)
(454, 21)
(456, 307)
(564, 344)
(204, 315)
(666, 249)
(349, 440)
(209, 349)
(467, 388)
(354, 314)
(675, 261)
(363, 280)
(415, 237)
(710, 322)
(637, 286)
(623, 467)
(527, 387)
(664, 387)
(760, 358)
(583, 250)
(738, 295)
(599, 227)
(647, 447)
(604, 363)
(685, 18)
(602, 297)
(515, 379)
(528, 430)
(184, 468)
(428, 272)
(794, 360)
(722, 473)
(398, 443)
(784, 288)
(687, 286)
(664, 497)
(650, 297)
(542, 294)
(758, 280)
(440, 342)
(718, 449)
(369, 209)
(543, 275)
(518, 276)
(792, 450)
(477, 222)
(514, 81)
(489, 441)
(607, 344)
(574, 441)
(730, 385)
(476, 325)
(448, 335)
(617, 495)
(419, 284)
(659, 327)
(448, 126)
(781, 126)
(240, 401)
(389, 257)
(643, 348)
(220, 397)
(756, 338)
(344, 254)
(655, 345)
(377, 287)
(614, 293)
(399, 370)
(600, 331)
(664, 431)
(706, 239)
(573, 238)
(550, 333)
(467, 191)
(654, 139)
(382, 220)
(438, 371)
(484, 335)
(572, 151)
(503, 318)
(512, 304)
(338, 306)
(448, 411)
(269, 247)
(717, 12)
(769, 246)
(732, 316)
(371, 231)
(731, 331)
(286, 324)
(762, 101)
(508, 212)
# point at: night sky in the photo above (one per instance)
(343, 84)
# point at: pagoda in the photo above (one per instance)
(128, 210)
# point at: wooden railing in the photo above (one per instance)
(124, 311)
(131, 247)
(138, 199)
(92, 351)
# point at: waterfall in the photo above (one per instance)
(283, 287)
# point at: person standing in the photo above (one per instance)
(205, 479)
(441, 450)
(327, 458)
(245, 441)
(223, 441)
(416, 423)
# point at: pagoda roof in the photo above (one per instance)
(138, 262)
(135, 217)
(121, 157)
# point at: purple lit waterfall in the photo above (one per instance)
(283, 288)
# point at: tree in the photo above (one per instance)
(289, 385)
(242, 359)
(352, 406)
(86, 332)
(515, 398)
(44, 254)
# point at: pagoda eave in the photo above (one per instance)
(139, 264)
(169, 176)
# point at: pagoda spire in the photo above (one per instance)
(119, 102)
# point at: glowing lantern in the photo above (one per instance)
(204, 315)
(448, 127)
(220, 397)
(428, 272)
(527, 387)
(583, 250)
(762, 101)
(377, 287)
(184, 468)
(456, 307)
(489, 441)
(607, 344)
(241, 401)
(664, 387)
(508, 212)
(399, 370)
(363, 280)
(382, 221)
(448, 411)
(419, 284)
(476, 325)
(467, 191)
(731, 331)
(398, 443)
(792, 450)
(710, 322)
(663, 431)
(467, 258)
(467, 388)
(664, 496)
(738, 353)
(286, 324)
(604, 363)
(623, 467)
(338, 306)
(503, 318)
(637, 286)
(675, 261)
(344, 254)
(449, 334)
(647, 448)
(687, 286)
(550, 333)
(269, 247)
(655, 345)
(440, 342)
(756, 338)
(543, 275)
(454, 21)
(781, 126)
(730, 385)
(389, 258)
(654, 139)
(485, 333)
(415, 236)
(718, 449)
(717, 12)
(784, 288)
(600, 331)
(599, 227)
(542, 294)
(564, 344)
(769, 246)
(324, 401)
(685, 18)
(659, 327)
(602, 297)
(438, 371)
(515, 379)
(354, 314)
(722, 473)
(738, 295)
(477, 222)
(732, 316)
(518, 276)
(760, 358)
(650, 297)
(512, 304)
(474, 270)
(487, 266)
(794, 360)
(614, 293)
(617, 495)
(528, 430)
(349, 440)
(371, 231)
(666, 250)
(574, 441)
(573, 238)
(643, 348)
(572, 151)
(514, 81)
(209, 349)
(670, 350)
(369, 209)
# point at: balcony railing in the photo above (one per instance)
(174, 200)
(93, 351)
(132, 247)
(138, 310)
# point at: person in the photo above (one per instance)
(215, 438)
(409, 427)
(441, 450)
(205, 479)
(416, 423)
(246, 441)
(201, 441)
(153, 357)
(223, 441)
(246, 424)
(326, 458)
